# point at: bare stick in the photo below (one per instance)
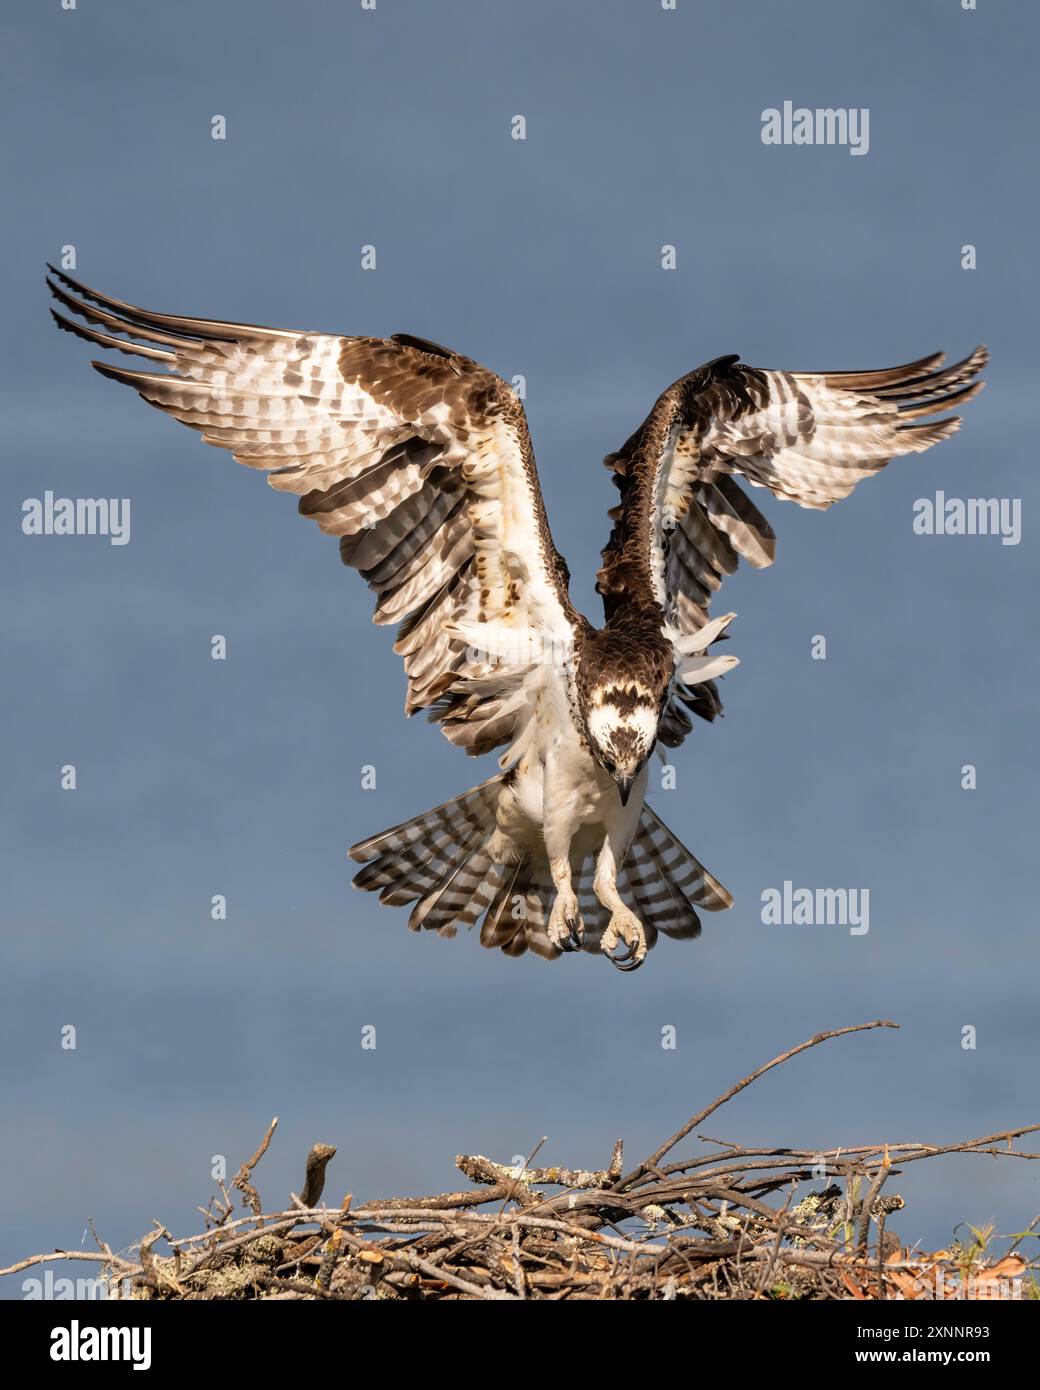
(241, 1179)
(650, 1163)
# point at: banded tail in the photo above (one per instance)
(457, 868)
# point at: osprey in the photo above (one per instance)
(420, 461)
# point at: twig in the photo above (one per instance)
(241, 1178)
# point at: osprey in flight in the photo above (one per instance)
(419, 460)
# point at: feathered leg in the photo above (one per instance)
(565, 927)
(624, 926)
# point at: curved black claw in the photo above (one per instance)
(626, 963)
(572, 942)
(624, 960)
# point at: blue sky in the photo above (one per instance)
(540, 257)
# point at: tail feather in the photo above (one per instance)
(471, 807)
(398, 871)
(658, 904)
(500, 925)
(679, 867)
(442, 909)
(593, 913)
(425, 884)
(518, 917)
(409, 861)
(483, 892)
(538, 901)
(439, 861)
(404, 876)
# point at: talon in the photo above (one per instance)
(628, 960)
(565, 925)
(624, 942)
(625, 963)
(572, 941)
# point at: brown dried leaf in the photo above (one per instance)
(856, 1290)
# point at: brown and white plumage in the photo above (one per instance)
(420, 461)
(684, 521)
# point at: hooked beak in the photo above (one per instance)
(624, 787)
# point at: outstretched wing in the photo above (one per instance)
(419, 459)
(806, 436)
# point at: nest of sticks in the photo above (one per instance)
(727, 1222)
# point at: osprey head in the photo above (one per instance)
(622, 721)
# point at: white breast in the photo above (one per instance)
(558, 777)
